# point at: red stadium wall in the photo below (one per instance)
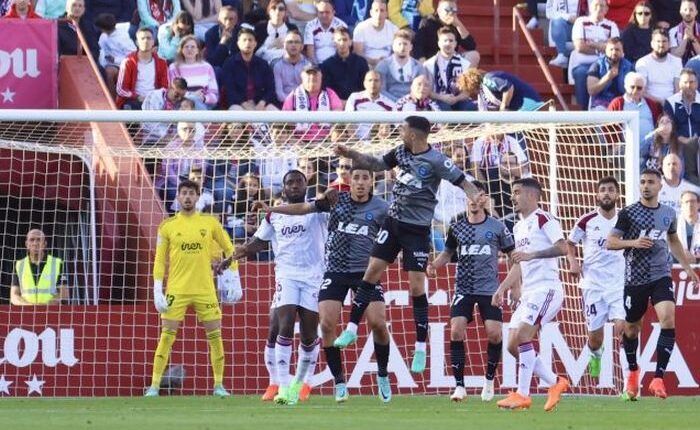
(107, 350)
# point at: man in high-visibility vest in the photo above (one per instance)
(38, 278)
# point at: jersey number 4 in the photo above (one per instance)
(591, 310)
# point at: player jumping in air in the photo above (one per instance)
(297, 242)
(538, 242)
(185, 240)
(646, 230)
(353, 224)
(407, 228)
(602, 276)
(476, 238)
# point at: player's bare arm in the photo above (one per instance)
(571, 256)
(511, 282)
(615, 242)
(474, 193)
(364, 161)
(440, 261)
(559, 249)
(253, 246)
(676, 248)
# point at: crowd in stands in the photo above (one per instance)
(375, 55)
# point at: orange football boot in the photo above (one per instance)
(515, 401)
(657, 388)
(270, 393)
(555, 392)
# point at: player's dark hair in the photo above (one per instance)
(291, 172)
(179, 83)
(653, 172)
(186, 183)
(608, 180)
(529, 183)
(418, 123)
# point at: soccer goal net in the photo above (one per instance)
(97, 184)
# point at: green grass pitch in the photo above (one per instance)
(360, 412)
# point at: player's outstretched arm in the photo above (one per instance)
(362, 161)
(615, 242)
(511, 282)
(253, 246)
(676, 247)
(571, 256)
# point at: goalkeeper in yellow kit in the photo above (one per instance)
(186, 240)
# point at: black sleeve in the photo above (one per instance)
(623, 222)
(594, 70)
(468, 43)
(260, 34)
(390, 159)
(15, 279)
(451, 242)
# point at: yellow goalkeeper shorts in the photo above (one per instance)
(205, 305)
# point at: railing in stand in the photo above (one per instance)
(519, 21)
(496, 31)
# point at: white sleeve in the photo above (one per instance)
(358, 35)
(308, 33)
(577, 30)
(350, 104)
(673, 37)
(552, 229)
(265, 231)
(614, 30)
(475, 155)
(577, 234)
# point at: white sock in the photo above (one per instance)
(306, 355)
(313, 359)
(597, 353)
(270, 363)
(545, 373)
(352, 328)
(421, 346)
(527, 359)
(283, 355)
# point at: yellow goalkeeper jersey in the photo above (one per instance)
(187, 241)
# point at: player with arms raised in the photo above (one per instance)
(538, 242)
(646, 230)
(185, 240)
(407, 228)
(352, 226)
(476, 238)
(297, 242)
(602, 276)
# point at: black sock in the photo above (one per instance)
(664, 348)
(630, 346)
(381, 353)
(457, 358)
(335, 363)
(420, 316)
(493, 353)
(361, 300)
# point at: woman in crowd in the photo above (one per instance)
(270, 33)
(660, 142)
(170, 34)
(200, 77)
(636, 37)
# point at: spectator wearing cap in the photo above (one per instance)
(409, 13)
(590, 35)
(140, 73)
(634, 100)
(606, 77)
(370, 99)
(311, 95)
(373, 37)
(248, 79)
(418, 99)
(287, 70)
(115, 44)
(399, 69)
(344, 72)
(270, 34)
(22, 9)
(319, 33)
(427, 36)
(443, 69)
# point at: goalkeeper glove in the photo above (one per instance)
(229, 283)
(159, 299)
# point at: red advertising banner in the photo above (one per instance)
(28, 64)
(107, 350)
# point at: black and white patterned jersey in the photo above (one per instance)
(417, 182)
(477, 246)
(352, 227)
(643, 266)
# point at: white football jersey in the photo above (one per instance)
(538, 232)
(298, 242)
(603, 269)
